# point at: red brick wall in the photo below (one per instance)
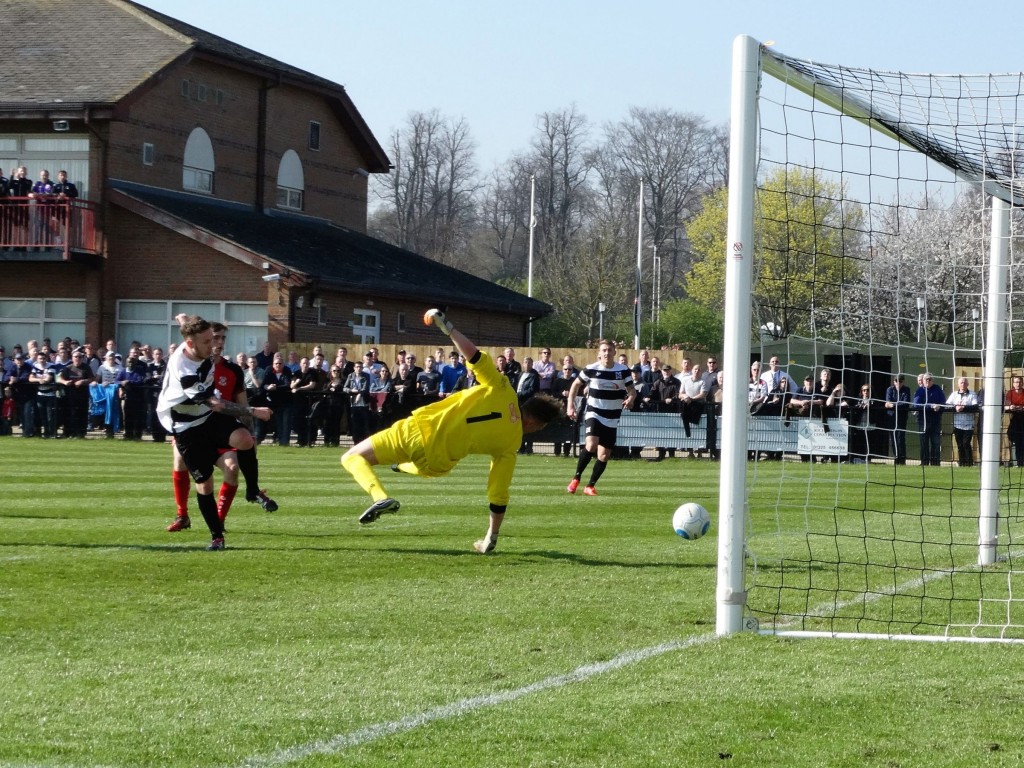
(165, 118)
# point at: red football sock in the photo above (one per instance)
(180, 480)
(227, 495)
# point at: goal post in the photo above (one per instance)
(873, 222)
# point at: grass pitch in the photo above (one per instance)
(585, 640)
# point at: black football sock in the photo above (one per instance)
(250, 469)
(582, 463)
(208, 506)
(598, 470)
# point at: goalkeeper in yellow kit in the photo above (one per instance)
(485, 420)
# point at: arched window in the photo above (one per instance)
(197, 170)
(290, 181)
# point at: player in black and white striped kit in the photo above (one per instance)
(202, 423)
(609, 390)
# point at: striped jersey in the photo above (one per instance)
(187, 385)
(607, 389)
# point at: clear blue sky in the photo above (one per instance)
(500, 64)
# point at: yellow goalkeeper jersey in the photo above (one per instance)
(483, 420)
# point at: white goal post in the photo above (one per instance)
(837, 181)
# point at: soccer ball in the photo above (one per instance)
(691, 521)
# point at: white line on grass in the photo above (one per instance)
(369, 733)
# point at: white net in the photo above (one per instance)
(872, 249)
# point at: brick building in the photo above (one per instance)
(212, 180)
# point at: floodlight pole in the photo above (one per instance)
(739, 257)
(639, 267)
(529, 259)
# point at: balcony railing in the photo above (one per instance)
(52, 225)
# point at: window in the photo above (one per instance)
(197, 170)
(148, 153)
(152, 322)
(366, 327)
(220, 97)
(200, 92)
(400, 322)
(66, 151)
(184, 88)
(35, 318)
(290, 181)
(314, 135)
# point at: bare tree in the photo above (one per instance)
(505, 212)
(680, 159)
(562, 168)
(430, 197)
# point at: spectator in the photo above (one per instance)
(64, 192)
(527, 385)
(897, 410)
(252, 380)
(278, 391)
(305, 386)
(24, 393)
(404, 390)
(560, 391)
(450, 374)
(774, 375)
(155, 370)
(756, 394)
(964, 405)
(929, 402)
(76, 378)
(358, 388)
(134, 390)
(41, 196)
(293, 362)
(648, 372)
(545, 371)
(19, 185)
(711, 386)
(7, 407)
(502, 365)
(91, 358)
(692, 395)
(714, 413)
(512, 366)
(428, 383)
(44, 376)
(381, 390)
(109, 377)
(667, 398)
(334, 405)
(859, 417)
(1014, 405)
(265, 357)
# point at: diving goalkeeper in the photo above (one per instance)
(484, 419)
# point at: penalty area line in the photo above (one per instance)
(369, 733)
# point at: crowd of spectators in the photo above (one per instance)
(32, 213)
(71, 389)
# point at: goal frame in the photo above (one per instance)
(751, 60)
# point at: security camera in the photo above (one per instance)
(61, 125)
(272, 278)
(363, 172)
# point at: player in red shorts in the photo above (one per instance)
(229, 382)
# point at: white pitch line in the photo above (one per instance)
(369, 733)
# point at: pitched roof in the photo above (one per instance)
(47, 60)
(64, 55)
(335, 257)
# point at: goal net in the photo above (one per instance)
(873, 231)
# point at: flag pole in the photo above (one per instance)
(639, 268)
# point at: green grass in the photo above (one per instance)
(585, 640)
